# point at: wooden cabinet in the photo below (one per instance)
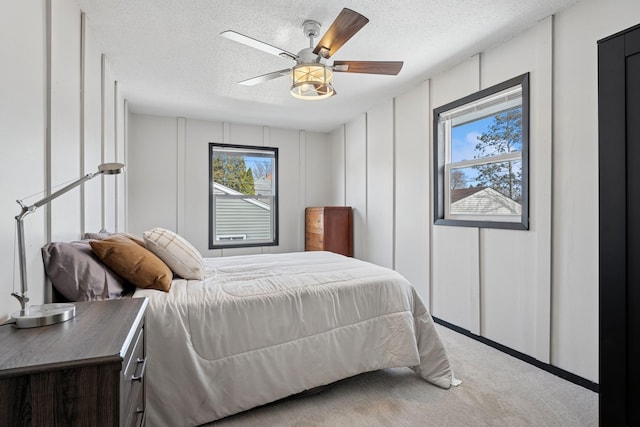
(329, 228)
(87, 371)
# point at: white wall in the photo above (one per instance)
(355, 154)
(337, 167)
(22, 132)
(412, 189)
(109, 185)
(40, 95)
(517, 312)
(575, 177)
(380, 182)
(168, 180)
(455, 284)
(535, 291)
(316, 158)
(64, 157)
(153, 172)
(92, 137)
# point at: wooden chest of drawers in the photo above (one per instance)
(87, 371)
(329, 228)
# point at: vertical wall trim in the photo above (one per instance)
(543, 224)
(125, 158)
(48, 33)
(83, 47)
(181, 170)
(480, 70)
(116, 205)
(393, 183)
(47, 108)
(475, 305)
(302, 188)
(266, 142)
(430, 171)
(475, 310)
(365, 237)
(226, 138)
(344, 165)
(551, 190)
(226, 132)
(103, 196)
(476, 294)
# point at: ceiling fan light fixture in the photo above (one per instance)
(311, 81)
(311, 78)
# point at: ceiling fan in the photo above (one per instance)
(311, 77)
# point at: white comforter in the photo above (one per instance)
(262, 327)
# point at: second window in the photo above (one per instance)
(243, 196)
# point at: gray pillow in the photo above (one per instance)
(78, 274)
(102, 234)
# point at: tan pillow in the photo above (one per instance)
(133, 237)
(103, 234)
(180, 255)
(133, 262)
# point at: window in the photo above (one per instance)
(481, 158)
(243, 196)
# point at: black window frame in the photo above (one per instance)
(439, 159)
(211, 229)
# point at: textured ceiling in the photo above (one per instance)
(169, 58)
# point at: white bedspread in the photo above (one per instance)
(262, 327)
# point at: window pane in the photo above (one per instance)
(481, 158)
(487, 189)
(262, 169)
(243, 203)
(247, 217)
(487, 136)
(244, 172)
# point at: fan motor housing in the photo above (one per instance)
(311, 28)
(306, 56)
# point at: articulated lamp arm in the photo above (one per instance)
(105, 168)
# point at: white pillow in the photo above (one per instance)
(180, 255)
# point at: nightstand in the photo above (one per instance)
(87, 371)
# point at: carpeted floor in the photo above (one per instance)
(496, 390)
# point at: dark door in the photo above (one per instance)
(619, 186)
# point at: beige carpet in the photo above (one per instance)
(497, 390)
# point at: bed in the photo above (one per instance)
(242, 331)
(263, 327)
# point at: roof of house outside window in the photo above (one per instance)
(263, 186)
(482, 201)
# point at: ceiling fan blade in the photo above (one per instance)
(346, 24)
(368, 67)
(257, 44)
(265, 77)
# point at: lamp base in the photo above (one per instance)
(43, 315)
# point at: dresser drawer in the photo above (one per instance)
(314, 221)
(314, 242)
(132, 381)
(135, 416)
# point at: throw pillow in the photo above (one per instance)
(133, 262)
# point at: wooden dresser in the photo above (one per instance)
(87, 371)
(329, 228)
